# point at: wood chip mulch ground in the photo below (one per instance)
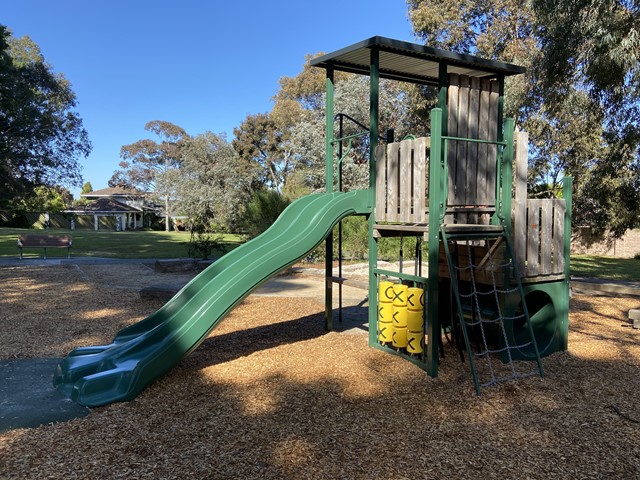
(271, 395)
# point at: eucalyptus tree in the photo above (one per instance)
(581, 56)
(152, 166)
(596, 44)
(215, 183)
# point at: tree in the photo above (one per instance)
(86, 188)
(214, 183)
(596, 45)
(48, 199)
(151, 166)
(262, 211)
(351, 98)
(41, 135)
(560, 98)
(267, 139)
(258, 139)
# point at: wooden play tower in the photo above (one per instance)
(497, 279)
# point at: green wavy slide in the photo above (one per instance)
(141, 353)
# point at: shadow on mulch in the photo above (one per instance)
(28, 398)
(230, 346)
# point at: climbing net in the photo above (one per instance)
(492, 314)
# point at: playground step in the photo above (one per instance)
(455, 229)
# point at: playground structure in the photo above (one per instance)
(498, 269)
(498, 263)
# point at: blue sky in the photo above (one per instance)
(203, 65)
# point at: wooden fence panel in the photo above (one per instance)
(546, 225)
(419, 211)
(381, 183)
(404, 185)
(393, 174)
(472, 113)
(545, 237)
(401, 195)
(559, 209)
(533, 237)
(520, 201)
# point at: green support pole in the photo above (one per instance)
(443, 82)
(435, 208)
(567, 194)
(328, 288)
(328, 139)
(374, 81)
(506, 172)
(500, 100)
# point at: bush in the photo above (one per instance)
(204, 244)
(264, 208)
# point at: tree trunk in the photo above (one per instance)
(167, 218)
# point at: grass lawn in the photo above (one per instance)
(605, 267)
(89, 243)
(145, 244)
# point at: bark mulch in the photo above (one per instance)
(271, 395)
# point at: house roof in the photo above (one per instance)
(105, 205)
(411, 62)
(114, 192)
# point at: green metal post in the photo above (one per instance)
(500, 100)
(435, 208)
(499, 215)
(443, 82)
(506, 172)
(328, 139)
(567, 194)
(374, 81)
(328, 288)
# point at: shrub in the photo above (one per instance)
(264, 208)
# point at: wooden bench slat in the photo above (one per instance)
(45, 241)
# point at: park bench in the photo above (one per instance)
(44, 241)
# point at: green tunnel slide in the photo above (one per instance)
(141, 353)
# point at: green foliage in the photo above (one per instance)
(47, 199)
(41, 136)
(86, 188)
(263, 209)
(213, 184)
(355, 238)
(259, 140)
(596, 44)
(152, 166)
(203, 244)
(579, 99)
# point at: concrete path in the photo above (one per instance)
(28, 398)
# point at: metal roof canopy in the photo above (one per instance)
(411, 62)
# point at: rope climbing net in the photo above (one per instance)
(489, 309)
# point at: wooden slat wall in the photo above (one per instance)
(472, 113)
(538, 224)
(420, 194)
(393, 177)
(545, 237)
(381, 181)
(401, 195)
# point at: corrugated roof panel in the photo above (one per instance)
(411, 61)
